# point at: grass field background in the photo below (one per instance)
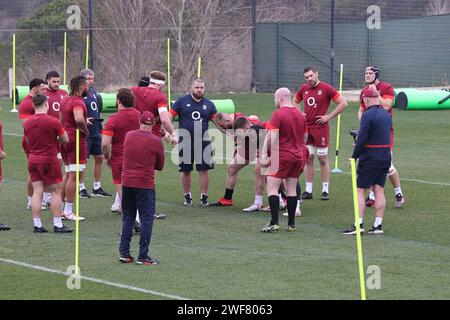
(219, 253)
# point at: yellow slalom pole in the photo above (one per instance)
(199, 67)
(336, 169)
(87, 51)
(65, 57)
(358, 234)
(77, 186)
(14, 109)
(168, 73)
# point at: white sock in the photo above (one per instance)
(57, 222)
(97, 185)
(117, 201)
(190, 194)
(37, 222)
(360, 220)
(203, 194)
(299, 203)
(258, 200)
(138, 220)
(398, 190)
(377, 222)
(82, 186)
(68, 208)
(29, 200)
(325, 186)
(47, 197)
(309, 186)
(371, 195)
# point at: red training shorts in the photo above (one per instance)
(48, 173)
(318, 136)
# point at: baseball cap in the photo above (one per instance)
(147, 118)
(370, 92)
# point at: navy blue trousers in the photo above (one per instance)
(143, 200)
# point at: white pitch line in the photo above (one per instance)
(345, 172)
(108, 283)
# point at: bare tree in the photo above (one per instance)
(124, 47)
(436, 7)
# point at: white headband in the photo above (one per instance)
(157, 81)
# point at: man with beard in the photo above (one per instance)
(54, 95)
(317, 96)
(74, 116)
(195, 111)
(26, 110)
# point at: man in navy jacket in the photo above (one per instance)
(373, 151)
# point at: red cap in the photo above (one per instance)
(147, 118)
(370, 92)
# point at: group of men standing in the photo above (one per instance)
(131, 144)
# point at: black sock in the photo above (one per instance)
(280, 191)
(228, 194)
(274, 204)
(299, 191)
(291, 206)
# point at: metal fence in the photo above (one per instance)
(243, 44)
(410, 52)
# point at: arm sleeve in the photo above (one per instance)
(299, 95)
(162, 102)
(213, 111)
(274, 122)
(388, 92)
(26, 110)
(59, 128)
(362, 136)
(332, 93)
(100, 103)
(109, 128)
(176, 108)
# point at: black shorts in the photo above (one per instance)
(367, 177)
(199, 153)
(95, 146)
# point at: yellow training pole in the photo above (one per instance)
(65, 57)
(14, 109)
(87, 51)
(199, 67)
(168, 72)
(358, 234)
(336, 169)
(77, 186)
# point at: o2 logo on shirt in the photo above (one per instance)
(56, 106)
(196, 116)
(311, 101)
(93, 106)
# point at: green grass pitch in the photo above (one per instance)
(219, 253)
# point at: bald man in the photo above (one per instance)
(285, 142)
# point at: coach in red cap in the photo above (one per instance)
(143, 152)
(374, 154)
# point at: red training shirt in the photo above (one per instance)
(117, 127)
(41, 131)
(68, 105)
(143, 153)
(316, 101)
(150, 99)
(291, 126)
(54, 101)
